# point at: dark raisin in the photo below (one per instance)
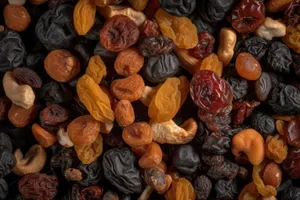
(7, 161)
(216, 143)
(256, 46)
(292, 14)
(3, 189)
(212, 160)
(178, 8)
(92, 174)
(263, 123)
(227, 190)
(202, 187)
(53, 115)
(28, 76)
(263, 86)
(54, 92)
(155, 45)
(241, 110)
(239, 87)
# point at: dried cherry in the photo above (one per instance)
(292, 133)
(155, 45)
(292, 163)
(204, 47)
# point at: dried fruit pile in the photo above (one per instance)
(150, 99)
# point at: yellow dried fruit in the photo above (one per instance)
(96, 69)
(94, 99)
(276, 148)
(168, 99)
(212, 63)
(181, 189)
(84, 16)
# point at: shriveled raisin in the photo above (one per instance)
(53, 115)
(204, 47)
(155, 45)
(28, 76)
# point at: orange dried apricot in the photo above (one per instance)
(96, 69)
(84, 16)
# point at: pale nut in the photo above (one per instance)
(21, 117)
(187, 61)
(124, 113)
(17, 2)
(63, 138)
(227, 41)
(16, 17)
(146, 193)
(148, 94)
(251, 143)
(21, 95)
(136, 16)
(271, 28)
(272, 174)
(105, 128)
(170, 133)
(33, 162)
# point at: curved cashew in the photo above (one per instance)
(187, 61)
(33, 161)
(105, 128)
(169, 132)
(271, 28)
(63, 138)
(148, 94)
(251, 143)
(21, 95)
(226, 47)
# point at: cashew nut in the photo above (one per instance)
(271, 28)
(63, 138)
(146, 193)
(17, 2)
(187, 61)
(148, 94)
(105, 128)
(33, 161)
(169, 132)
(227, 43)
(251, 143)
(21, 95)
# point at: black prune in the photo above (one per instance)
(264, 124)
(216, 143)
(202, 187)
(12, 51)
(212, 160)
(275, 78)
(7, 161)
(226, 169)
(6, 141)
(239, 87)
(55, 28)
(158, 69)
(3, 189)
(92, 174)
(279, 57)
(202, 25)
(53, 92)
(292, 193)
(186, 159)
(255, 46)
(35, 60)
(179, 7)
(263, 86)
(155, 45)
(285, 99)
(227, 190)
(119, 168)
(214, 10)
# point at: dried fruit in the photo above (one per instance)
(96, 69)
(16, 17)
(181, 189)
(118, 33)
(291, 39)
(28, 76)
(292, 164)
(155, 45)
(94, 99)
(152, 156)
(124, 113)
(168, 99)
(291, 15)
(53, 115)
(292, 133)
(276, 148)
(263, 86)
(212, 63)
(137, 134)
(247, 66)
(249, 192)
(272, 174)
(149, 28)
(139, 5)
(4, 107)
(277, 5)
(180, 29)
(44, 137)
(21, 117)
(84, 16)
(202, 187)
(204, 47)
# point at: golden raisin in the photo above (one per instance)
(280, 126)
(181, 189)
(152, 157)
(138, 5)
(94, 99)
(212, 63)
(129, 62)
(21, 117)
(247, 66)
(276, 148)
(44, 137)
(124, 113)
(272, 174)
(249, 192)
(84, 16)
(168, 99)
(83, 130)
(96, 69)
(61, 65)
(16, 17)
(277, 5)
(137, 134)
(292, 37)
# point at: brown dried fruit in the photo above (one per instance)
(28, 76)
(104, 3)
(53, 115)
(37, 2)
(73, 174)
(16, 17)
(129, 62)
(83, 130)
(124, 113)
(44, 137)
(137, 134)
(21, 117)
(61, 65)
(152, 157)
(280, 126)
(4, 107)
(84, 16)
(155, 178)
(284, 117)
(130, 88)
(139, 5)
(277, 5)
(272, 174)
(96, 69)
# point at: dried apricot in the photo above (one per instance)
(137, 134)
(84, 16)
(212, 63)
(152, 157)
(96, 69)
(124, 113)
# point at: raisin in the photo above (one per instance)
(155, 45)
(28, 76)
(202, 187)
(263, 123)
(216, 143)
(3, 189)
(292, 164)
(256, 46)
(53, 115)
(242, 110)
(215, 122)
(7, 161)
(292, 133)
(292, 193)
(248, 15)
(247, 66)
(54, 92)
(92, 174)
(178, 8)
(239, 87)
(296, 64)
(226, 169)
(212, 160)
(118, 33)
(292, 14)
(149, 28)
(263, 86)
(227, 189)
(204, 47)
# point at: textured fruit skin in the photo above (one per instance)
(16, 17)
(248, 67)
(155, 46)
(84, 16)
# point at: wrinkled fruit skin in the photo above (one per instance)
(178, 8)
(292, 164)
(7, 161)
(155, 46)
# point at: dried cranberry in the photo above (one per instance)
(204, 47)
(149, 28)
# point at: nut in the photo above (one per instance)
(129, 62)
(187, 61)
(271, 28)
(226, 47)
(146, 193)
(73, 174)
(148, 94)
(130, 88)
(21, 95)
(17, 2)
(33, 162)
(152, 157)
(124, 113)
(272, 174)
(169, 132)
(277, 5)
(280, 126)
(44, 137)
(137, 134)
(38, 2)
(251, 143)
(212, 63)
(136, 16)
(83, 130)
(16, 17)
(106, 128)
(4, 107)
(63, 138)
(104, 3)
(283, 117)
(61, 65)
(21, 117)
